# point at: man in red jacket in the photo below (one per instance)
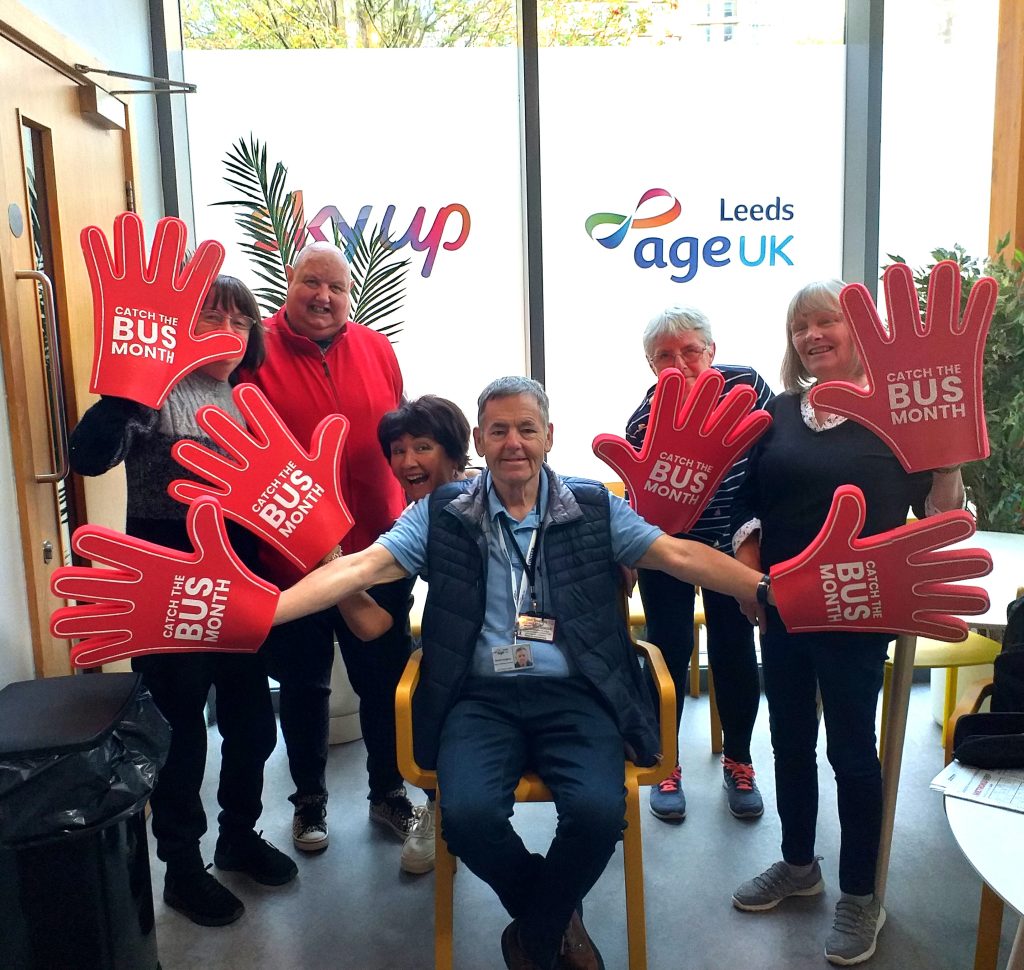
(319, 363)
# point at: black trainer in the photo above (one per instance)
(257, 858)
(197, 895)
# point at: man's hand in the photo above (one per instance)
(143, 315)
(688, 448)
(158, 600)
(286, 495)
(924, 393)
(896, 581)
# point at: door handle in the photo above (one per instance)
(55, 388)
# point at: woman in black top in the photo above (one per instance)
(116, 430)
(792, 474)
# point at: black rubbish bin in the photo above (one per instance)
(78, 759)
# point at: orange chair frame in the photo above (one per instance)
(531, 789)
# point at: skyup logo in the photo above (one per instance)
(687, 254)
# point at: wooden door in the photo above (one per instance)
(63, 165)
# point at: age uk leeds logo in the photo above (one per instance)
(686, 254)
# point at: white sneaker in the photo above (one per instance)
(418, 851)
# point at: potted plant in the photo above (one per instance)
(995, 486)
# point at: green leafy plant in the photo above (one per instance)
(996, 485)
(272, 219)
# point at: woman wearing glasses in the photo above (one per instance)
(681, 337)
(116, 430)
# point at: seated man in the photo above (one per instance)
(520, 556)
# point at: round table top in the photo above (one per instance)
(992, 839)
(1007, 576)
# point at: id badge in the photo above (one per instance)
(518, 656)
(535, 626)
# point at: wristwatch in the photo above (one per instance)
(763, 585)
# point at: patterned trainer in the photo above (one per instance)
(854, 932)
(667, 799)
(776, 883)
(309, 826)
(741, 789)
(394, 811)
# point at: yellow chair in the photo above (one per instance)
(531, 789)
(976, 649)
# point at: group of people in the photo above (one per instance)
(527, 661)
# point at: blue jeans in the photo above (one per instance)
(668, 608)
(847, 667)
(499, 728)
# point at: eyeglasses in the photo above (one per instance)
(690, 355)
(215, 320)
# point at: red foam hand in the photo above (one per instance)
(157, 600)
(897, 581)
(288, 496)
(143, 314)
(689, 447)
(924, 393)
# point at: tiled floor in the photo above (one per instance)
(351, 908)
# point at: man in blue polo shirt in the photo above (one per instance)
(527, 663)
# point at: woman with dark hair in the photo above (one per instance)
(116, 430)
(426, 441)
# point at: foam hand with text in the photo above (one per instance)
(897, 581)
(688, 448)
(924, 393)
(143, 342)
(288, 496)
(157, 600)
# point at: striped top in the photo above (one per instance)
(713, 526)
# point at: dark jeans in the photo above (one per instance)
(180, 685)
(847, 668)
(668, 608)
(301, 656)
(499, 728)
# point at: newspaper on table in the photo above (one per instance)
(1000, 787)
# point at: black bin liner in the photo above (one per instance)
(79, 757)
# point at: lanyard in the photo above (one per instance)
(528, 563)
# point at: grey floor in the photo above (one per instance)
(352, 909)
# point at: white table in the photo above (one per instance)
(1001, 585)
(992, 839)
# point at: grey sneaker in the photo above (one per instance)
(854, 932)
(775, 884)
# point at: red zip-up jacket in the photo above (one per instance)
(357, 376)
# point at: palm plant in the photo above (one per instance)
(272, 219)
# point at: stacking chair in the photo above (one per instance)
(976, 649)
(531, 789)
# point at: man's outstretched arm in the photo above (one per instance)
(341, 577)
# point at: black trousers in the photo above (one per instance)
(301, 655)
(668, 607)
(180, 684)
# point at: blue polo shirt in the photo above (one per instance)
(407, 541)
